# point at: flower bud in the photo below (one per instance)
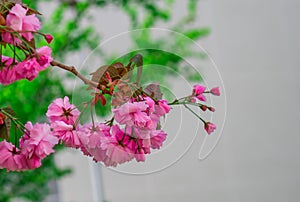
(2, 118)
(48, 38)
(211, 109)
(215, 91)
(203, 107)
(209, 127)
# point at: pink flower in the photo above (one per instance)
(150, 103)
(91, 138)
(215, 91)
(44, 57)
(29, 69)
(157, 138)
(33, 162)
(11, 157)
(209, 127)
(162, 107)
(10, 38)
(132, 114)
(140, 155)
(7, 72)
(61, 110)
(48, 38)
(198, 91)
(17, 20)
(116, 148)
(66, 133)
(38, 141)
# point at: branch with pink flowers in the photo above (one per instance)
(134, 129)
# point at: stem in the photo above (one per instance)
(14, 119)
(73, 70)
(92, 117)
(176, 101)
(194, 113)
(110, 122)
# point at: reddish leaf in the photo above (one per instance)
(138, 60)
(153, 89)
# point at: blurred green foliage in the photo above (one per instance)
(67, 23)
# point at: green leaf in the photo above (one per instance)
(197, 33)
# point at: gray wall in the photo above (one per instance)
(255, 45)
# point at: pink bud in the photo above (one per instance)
(209, 127)
(203, 107)
(2, 117)
(212, 109)
(48, 38)
(193, 100)
(215, 91)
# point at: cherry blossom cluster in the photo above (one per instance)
(17, 28)
(36, 144)
(133, 131)
(133, 135)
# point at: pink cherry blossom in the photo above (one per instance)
(38, 140)
(33, 162)
(7, 72)
(198, 91)
(162, 107)
(209, 127)
(132, 114)
(11, 157)
(150, 103)
(116, 148)
(145, 144)
(66, 133)
(44, 57)
(28, 69)
(91, 137)
(10, 38)
(215, 91)
(140, 155)
(157, 139)
(61, 110)
(17, 20)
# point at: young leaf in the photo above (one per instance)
(138, 60)
(153, 89)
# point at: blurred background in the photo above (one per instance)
(254, 44)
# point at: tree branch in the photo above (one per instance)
(73, 70)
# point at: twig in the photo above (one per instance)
(73, 70)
